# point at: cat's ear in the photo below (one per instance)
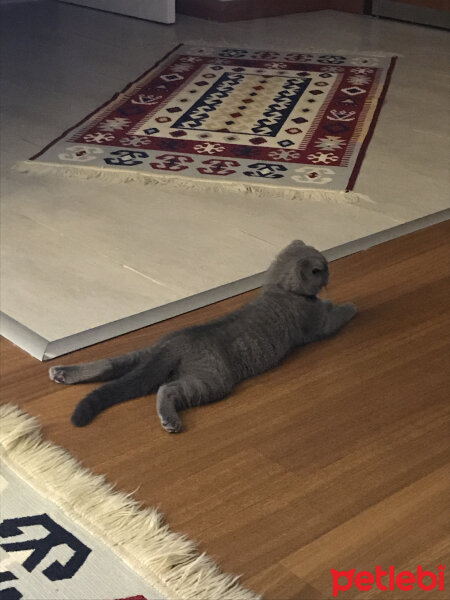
(297, 244)
(295, 248)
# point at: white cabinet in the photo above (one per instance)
(152, 10)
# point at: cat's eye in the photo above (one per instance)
(316, 270)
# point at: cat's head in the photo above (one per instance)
(299, 269)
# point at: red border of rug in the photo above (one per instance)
(105, 104)
(369, 134)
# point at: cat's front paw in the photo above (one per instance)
(328, 304)
(350, 309)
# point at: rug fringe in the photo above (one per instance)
(222, 43)
(191, 184)
(168, 561)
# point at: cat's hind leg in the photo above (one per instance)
(99, 370)
(144, 379)
(186, 392)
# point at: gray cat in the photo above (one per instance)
(202, 364)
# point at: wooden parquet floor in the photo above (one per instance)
(337, 459)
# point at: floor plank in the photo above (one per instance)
(336, 459)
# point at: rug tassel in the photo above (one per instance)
(168, 561)
(226, 43)
(206, 186)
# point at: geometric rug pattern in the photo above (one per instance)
(290, 120)
(45, 555)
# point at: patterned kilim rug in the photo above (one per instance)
(66, 534)
(251, 119)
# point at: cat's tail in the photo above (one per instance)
(144, 379)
